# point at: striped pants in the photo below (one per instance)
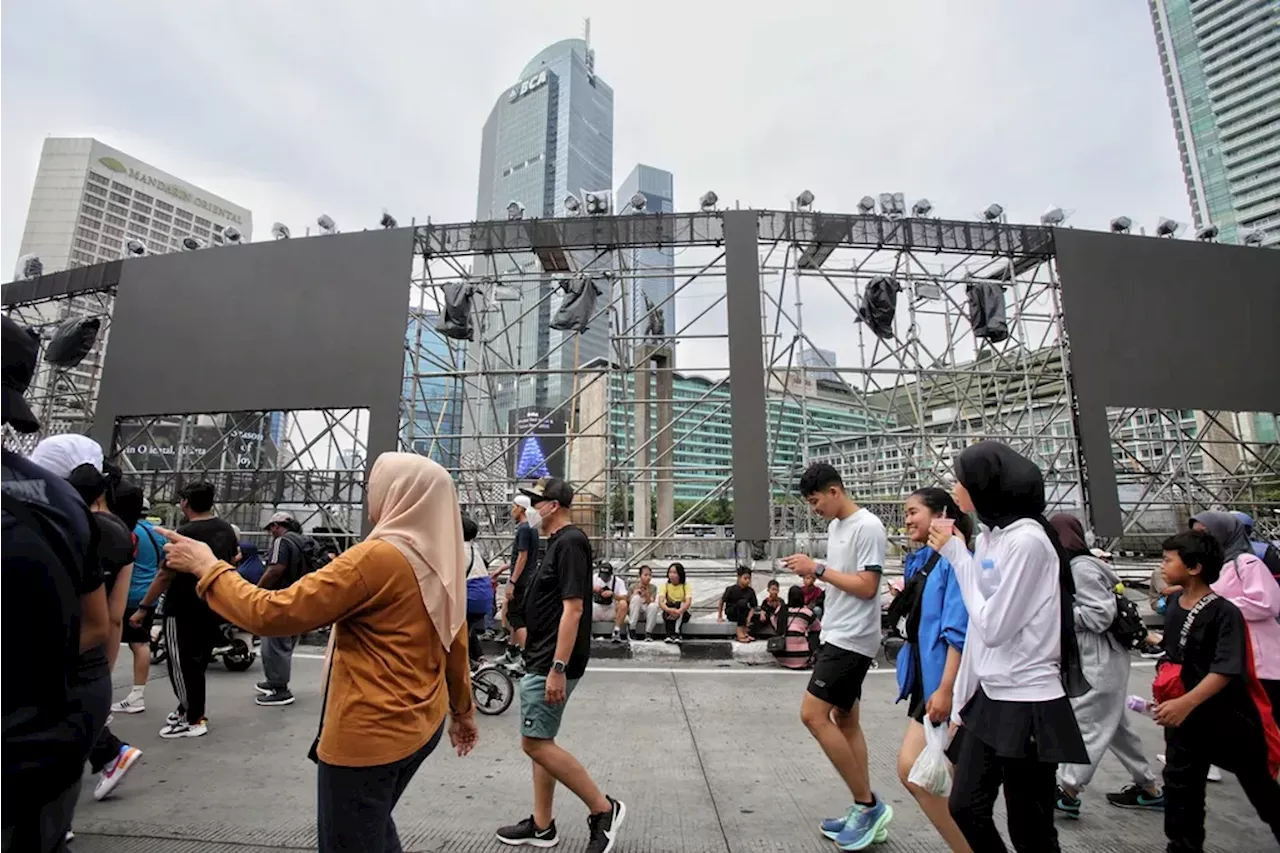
(188, 638)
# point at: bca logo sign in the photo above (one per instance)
(537, 81)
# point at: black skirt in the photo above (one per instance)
(1046, 731)
(916, 700)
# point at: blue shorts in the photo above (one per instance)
(538, 718)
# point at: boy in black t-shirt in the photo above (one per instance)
(1216, 721)
(739, 603)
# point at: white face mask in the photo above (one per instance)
(533, 518)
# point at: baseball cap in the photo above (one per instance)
(21, 347)
(523, 502)
(550, 489)
(62, 454)
(280, 518)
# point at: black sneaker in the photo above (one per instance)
(1134, 797)
(526, 834)
(265, 688)
(604, 827)
(1067, 804)
(276, 697)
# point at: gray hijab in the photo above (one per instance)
(1228, 530)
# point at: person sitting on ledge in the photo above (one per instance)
(739, 603)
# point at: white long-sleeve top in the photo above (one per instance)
(1010, 588)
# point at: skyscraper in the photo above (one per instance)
(431, 399)
(549, 136)
(818, 360)
(1221, 63)
(652, 268)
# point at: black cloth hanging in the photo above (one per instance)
(72, 342)
(986, 311)
(880, 304)
(455, 320)
(578, 305)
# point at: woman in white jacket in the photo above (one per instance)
(1101, 713)
(1020, 660)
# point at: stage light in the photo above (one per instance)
(804, 201)
(280, 231)
(993, 213)
(29, 266)
(515, 210)
(135, 247)
(572, 206)
(191, 244)
(1053, 216)
(922, 208)
(387, 220)
(1254, 237)
(867, 205)
(1121, 225)
(1168, 227)
(709, 200)
(892, 205)
(638, 201)
(326, 223)
(1207, 233)
(231, 234)
(597, 203)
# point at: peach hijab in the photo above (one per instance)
(413, 506)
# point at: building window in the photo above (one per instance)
(85, 234)
(183, 214)
(116, 220)
(121, 188)
(99, 179)
(105, 259)
(81, 257)
(143, 197)
(94, 201)
(218, 228)
(112, 231)
(163, 217)
(117, 209)
(139, 218)
(98, 191)
(217, 238)
(164, 205)
(119, 199)
(84, 244)
(160, 236)
(203, 223)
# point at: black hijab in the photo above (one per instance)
(1005, 487)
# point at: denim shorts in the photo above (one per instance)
(538, 718)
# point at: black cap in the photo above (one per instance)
(21, 346)
(550, 489)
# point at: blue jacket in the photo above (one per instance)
(943, 623)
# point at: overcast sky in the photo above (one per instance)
(296, 108)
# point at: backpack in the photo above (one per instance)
(1127, 628)
(311, 550)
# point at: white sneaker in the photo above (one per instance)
(184, 729)
(130, 705)
(174, 717)
(1215, 775)
(113, 774)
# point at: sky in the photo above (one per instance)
(294, 109)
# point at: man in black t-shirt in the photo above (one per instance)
(189, 624)
(285, 565)
(524, 561)
(739, 602)
(556, 653)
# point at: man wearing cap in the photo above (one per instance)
(49, 567)
(557, 648)
(524, 561)
(285, 565)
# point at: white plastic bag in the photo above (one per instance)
(932, 770)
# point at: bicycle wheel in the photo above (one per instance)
(492, 690)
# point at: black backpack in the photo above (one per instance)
(313, 556)
(1127, 628)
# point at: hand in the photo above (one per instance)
(802, 564)
(464, 733)
(139, 616)
(606, 594)
(510, 594)
(938, 708)
(183, 554)
(555, 688)
(1174, 712)
(939, 537)
(719, 617)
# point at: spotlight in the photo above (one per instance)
(280, 231)
(804, 201)
(1053, 216)
(597, 203)
(326, 223)
(709, 200)
(638, 201)
(993, 213)
(1168, 227)
(1254, 237)
(387, 220)
(572, 206)
(29, 266)
(191, 244)
(892, 205)
(1121, 225)
(231, 234)
(135, 247)
(515, 210)
(867, 205)
(1207, 233)
(922, 208)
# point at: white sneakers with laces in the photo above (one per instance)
(113, 774)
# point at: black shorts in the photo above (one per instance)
(515, 609)
(838, 675)
(130, 634)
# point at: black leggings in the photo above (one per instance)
(475, 624)
(189, 640)
(1187, 759)
(354, 804)
(673, 624)
(738, 612)
(1029, 790)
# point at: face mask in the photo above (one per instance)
(533, 518)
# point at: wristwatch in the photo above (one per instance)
(559, 666)
(819, 569)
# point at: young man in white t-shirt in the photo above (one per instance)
(609, 599)
(856, 545)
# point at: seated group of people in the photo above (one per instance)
(612, 601)
(792, 625)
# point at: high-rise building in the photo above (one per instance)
(819, 362)
(652, 269)
(431, 399)
(89, 199)
(1221, 63)
(549, 136)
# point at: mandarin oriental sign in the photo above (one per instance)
(175, 190)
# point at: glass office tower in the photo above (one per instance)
(652, 267)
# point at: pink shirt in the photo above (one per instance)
(1248, 584)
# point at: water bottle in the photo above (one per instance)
(1140, 705)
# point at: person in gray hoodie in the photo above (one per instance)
(1101, 712)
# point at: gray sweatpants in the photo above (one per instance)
(277, 660)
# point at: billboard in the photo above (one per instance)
(539, 440)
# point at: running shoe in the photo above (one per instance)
(1215, 773)
(184, 729)
(616, 639)
(1067, 804)
(833, 826)
(266, 688)
(526, 834)
(113, 774)
(129, 705)
(275, 697)
(175, 717)
(669, 640)
(603, 827)
(1134, 797)
(866, 827)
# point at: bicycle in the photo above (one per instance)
(491, 688)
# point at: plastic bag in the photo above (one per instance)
(932, 771)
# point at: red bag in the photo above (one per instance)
(1168, 685)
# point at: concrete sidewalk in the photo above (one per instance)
(707, 757)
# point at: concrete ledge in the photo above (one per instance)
(699, 627)
(753, 654)
(656, 651)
